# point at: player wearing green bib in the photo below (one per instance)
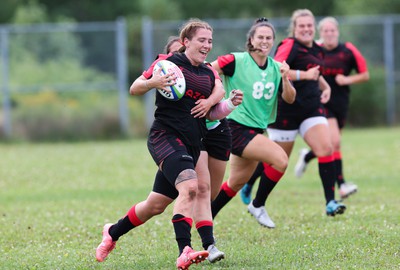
(260, 89)
(261, 80)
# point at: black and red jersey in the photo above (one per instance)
(342, 60)
(301, 57)
(175, 116)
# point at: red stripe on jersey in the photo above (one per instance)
(326, 159)
(217, 77)
(204, 223)
(225, 60)
(148, 73)
(360, 60)
(284, 50)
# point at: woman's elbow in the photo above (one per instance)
(366, 76)
(289, 98)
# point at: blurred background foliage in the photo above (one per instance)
(39, 11)
(77, 110)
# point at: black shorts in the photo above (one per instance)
(218, 141)
(164, 146)
(161, 144)
(163, 186)
(241, 136)
(293, 120)
(340, 115)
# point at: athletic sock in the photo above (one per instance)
(182, 227)
(223, 197)
(125, 224)
(309, 156)
(269, 178)
(339, 169)
(205, 230)
(257, 173)
(326, 166)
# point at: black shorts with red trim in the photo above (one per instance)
(241, 136)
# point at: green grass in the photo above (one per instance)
(55, 198)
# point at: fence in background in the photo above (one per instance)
(97, 52)
(378, 37)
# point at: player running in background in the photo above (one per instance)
(340, 60)
(262, 80)
(306, 115)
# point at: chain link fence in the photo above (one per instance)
(57, 66)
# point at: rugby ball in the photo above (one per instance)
(179, 88)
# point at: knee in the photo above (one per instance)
(192, 191)
(281, 162)
(336, 145)
(324, 151)
(189, 190)
(203, 188)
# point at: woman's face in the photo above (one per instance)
(329, 33)
(304, 30)
(175, 46)
(199, 46)
(263, 40)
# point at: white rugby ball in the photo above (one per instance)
(179, 88)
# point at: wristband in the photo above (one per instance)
(297, 75)
(230, 105)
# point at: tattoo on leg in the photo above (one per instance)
(186, 175)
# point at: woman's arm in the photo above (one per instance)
(325, 88)
(288, 91)
(352, 79)
(142, 85)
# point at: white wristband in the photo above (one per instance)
(297, 75)
(231, 106)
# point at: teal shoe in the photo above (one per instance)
(334, 208)
(245, 194)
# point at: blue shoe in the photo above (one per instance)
(245, 194)
(334, 208)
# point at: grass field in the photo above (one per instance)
(55, 199)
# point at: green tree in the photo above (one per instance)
(87, 10)
(7, 10)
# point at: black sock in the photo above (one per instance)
(265, 187)
(309, 156)
(182, 227)
(257, 173)
(327, 173)
(206, 235)
(223, 197)
(120, 228)
(339, 172)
